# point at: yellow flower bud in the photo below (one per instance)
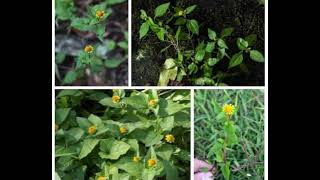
(88, 49)
(123, 130)
(152, 102)
(228, 109)
(92, 129)
(136, 159)
(169, 138)
(115, 99)
(99, 14)
(151, 162)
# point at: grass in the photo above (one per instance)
(247, 158)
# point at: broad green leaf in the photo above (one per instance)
(171, 171)
(167, 123)
(230, 131)
(169, 63)
(152, 138)
(210, 47)
(112, 63)
(226, 32)
(83, 123)
(94, 119)
(70, 77)
(222, 44)
(200, 55)
(236, 60)
(212, 34)
(160, 34)
(180, 21)
(74, 135)
(81, 24)
(221, 53)
(212, 61)
(161, 10)
(123, 44)
(204, 81)
(144, 28)
(242, 44)
(256, 56)
(60, 57)
(108, 102)
(217, 150)
(56, 176)
(165, 151)
(225, 168)
(193, 26)
(137, 101)
(62, 151)
(148, 174)
(88, 146)
(189, 9)
(111, 44)
(133, 144)
(143, 14)
(112, 2)
(166, 75)
(178, 33)
(61, 115)
(193, 68)
(65, 9)
(169, 107)
(251, 39)
(133, 168)
(181, 74)
(113, 149)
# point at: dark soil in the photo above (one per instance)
(246, 16)
(70, 41)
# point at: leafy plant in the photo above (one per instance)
(122, 134)
(178, 32)
(94, 57)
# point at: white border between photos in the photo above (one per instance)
(192, 88)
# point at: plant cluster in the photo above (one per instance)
(93, 56)
(198, 62)
(122, 135)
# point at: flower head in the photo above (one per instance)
(88, 49)
(115, 99)
(151, 162)
(102, 178)
(92, 129)
(123, 130)
(169, 138)
(152, 102)
(228, 109)
(136, 159)
(99, 14)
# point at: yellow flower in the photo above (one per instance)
(228, 109)
(152, 102)
(151, 162)
(88, 49)
(92, 129)
(123, 130)
(115, 99)
(56, 127)
(136, 159)
(102, 178)
(99, 14)
(170, 138)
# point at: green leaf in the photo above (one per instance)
(112, 2)
(123, 44)
(113, 149)
(161, 10)
(144, 28)
(221, 53)
(256, 56)
(225, 168)
(94, 119)
(152, 138)
(222, 44)
(180, 21)
(70, 77)
(61, 115)
(210, 47)
(56, 176)
(108, 102)
(212, 34)
(251, 39)
(236, 60)
(200, 55)
(160, 34)
(81, 24)
(133, 168)
(60, 57)
(226, 32)
(143, 14)
(165, 151)
(193, 26)
(171, 171)
(148, 174)
(217, 150)
(181, 74)
(133, 144)
(178, 33)
(169, 63)
(230, 131)
(64, 9)
(189, 9)
(62, 151)
(88, 146)
(112, 63)
(166, 75)
(169, 107)
(137, 101)
(167, 123)
(242, 44)
(212, 61)
(193, 68)
(74, 135)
